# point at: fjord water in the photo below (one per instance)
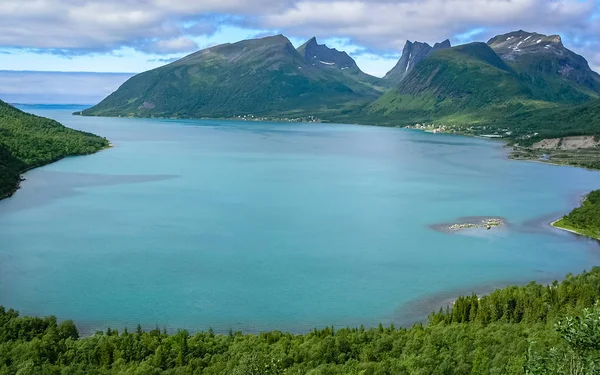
(255, 226)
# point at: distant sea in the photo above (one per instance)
(259, 226)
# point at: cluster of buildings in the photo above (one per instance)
(312, 119)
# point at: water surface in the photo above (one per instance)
(256, 226)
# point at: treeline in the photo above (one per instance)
(557, 122)
(28, 141)
(533, 329)
(533, 303)
(586, 218)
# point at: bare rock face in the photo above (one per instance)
(539, 57)
(412, 54)
(321, 56)
(513, 45)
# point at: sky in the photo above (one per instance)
(58, 50)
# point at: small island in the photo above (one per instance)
(470, 222)
(585, 219)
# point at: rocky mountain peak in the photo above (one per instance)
(322, 56)
(512, 45)
(442, 45)
(412, 53)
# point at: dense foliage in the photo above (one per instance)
(535, 329)
(28, 141)
(586, 218)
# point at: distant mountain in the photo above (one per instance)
(324, 57)
(28, 141)
(552, 71)
(520, 82)
(450, 82)
(321, 56)
(412, 53)
(261, 77)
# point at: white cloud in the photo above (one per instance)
(173, 45)
(165, 26)
(388, 24)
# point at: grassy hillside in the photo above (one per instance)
(541, 91)
(533, 329)
(585, 219)
(261, 77)
(550, 122)
(454, 85)
(552, 71)
(28, 141)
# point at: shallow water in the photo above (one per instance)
(256, 226)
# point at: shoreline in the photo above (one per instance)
(552, 224)
(23, 172)
(427, 300)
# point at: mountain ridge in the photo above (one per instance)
(412, 54)
(469, 87)
(265, 76)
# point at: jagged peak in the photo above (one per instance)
(416, 43)
(442, 45)
(321, 55)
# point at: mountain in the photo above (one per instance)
(264, 77)
(451, 82)
(518, 83)
(28, 141)
(323, 57)
(412, 53)
(552, 71)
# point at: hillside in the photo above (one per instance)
(261, 77)
(515, 330)
(553, 72)
(522, 86)
(455, 85)
(585, 219)
(28, 141)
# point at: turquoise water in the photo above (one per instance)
(255, 226)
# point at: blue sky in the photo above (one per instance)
(131, 36)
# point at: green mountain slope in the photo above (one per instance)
(28, 141)
(453, 84)
(553, 72)
(265, 77)
(550, 122)
(516, 85)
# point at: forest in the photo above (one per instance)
(584, 219)
(28, 141)
(532, 329)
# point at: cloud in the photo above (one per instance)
(31, 87)
(388, 24)
(167, 26)
(168, 46)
